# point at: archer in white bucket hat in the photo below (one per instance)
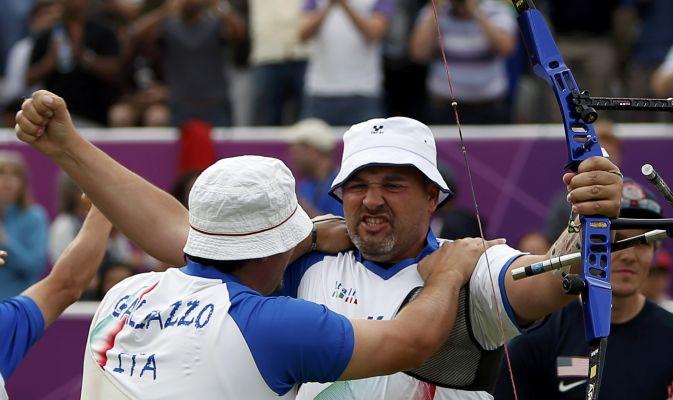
(396, 141)
(245, 208)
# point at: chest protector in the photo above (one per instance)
(461, 363)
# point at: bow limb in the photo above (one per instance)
(594, 283)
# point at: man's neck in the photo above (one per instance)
(626, 308)
(412, 252)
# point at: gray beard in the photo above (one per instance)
(380, 252)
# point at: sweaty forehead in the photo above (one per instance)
(388, 173)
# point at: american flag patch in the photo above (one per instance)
(572, 367)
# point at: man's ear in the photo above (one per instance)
(432, 191)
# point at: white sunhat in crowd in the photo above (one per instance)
(243, 208)
(312, 132)
(396, 141)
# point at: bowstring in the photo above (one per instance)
(454, 105)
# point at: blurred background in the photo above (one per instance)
(168, 87)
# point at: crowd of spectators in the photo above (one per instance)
(273, 62)
(33, 243)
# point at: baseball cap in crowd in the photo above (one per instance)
(312, 132)
(396, 141)
(244, 208)
(638, 201)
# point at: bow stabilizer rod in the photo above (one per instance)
(575, 258)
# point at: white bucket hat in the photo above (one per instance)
(396, 141)
(312, 132)
(243, 208)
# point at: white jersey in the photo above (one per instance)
(3, 392)
(357, 288)
(198, 333)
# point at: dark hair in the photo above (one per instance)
(226, 266)
(107, 266)
(182, 186)
(67, 189)
(15, 160)
(39, 6)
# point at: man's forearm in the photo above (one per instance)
(372, 28)
(422, 40)
(150, 217)
(566, 243)
(502, 42)
(311, 23)
(546, 288)
(40, 70)
(74, 269)
(662, 83)
(80, 260)
(148, 24)
(432, 314)
(105, 68)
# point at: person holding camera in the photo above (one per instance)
(477, 37)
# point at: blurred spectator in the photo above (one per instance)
(183, 185)
(238, 73)
(652, 39)
(477, 38)
(656, 287)
(23, 228)
(404, 80)
(559, 208)
(192, 35)
(9, 114)
(68, 221)
(144, 96)
(344, 75)
(13, 26)
(44, 15)
(311, 150)
(80, 60)
(534, 242)
(110, 274)
(452, 221)
(585, 35)
(278, 61)
(638, 363)
(662, 79)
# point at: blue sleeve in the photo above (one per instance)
(292, 341)
(21, 324)
(296, 271)
(27, 247)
